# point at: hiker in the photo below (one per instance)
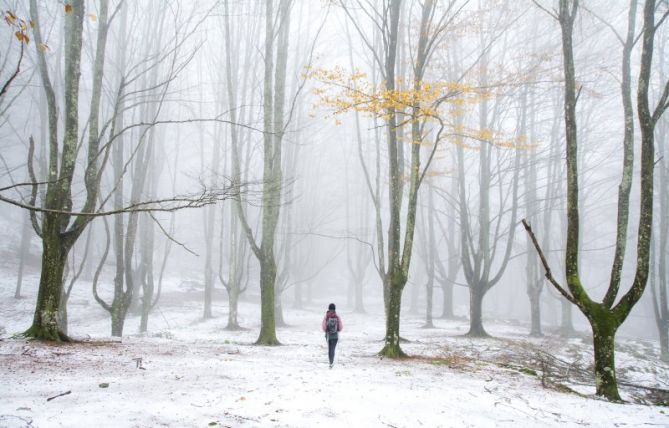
(332, 325)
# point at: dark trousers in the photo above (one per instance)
(332, 344)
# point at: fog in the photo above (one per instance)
(297, 153)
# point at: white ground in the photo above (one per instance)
(195, 374)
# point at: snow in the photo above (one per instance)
(192, 372)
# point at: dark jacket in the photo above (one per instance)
(331, 314)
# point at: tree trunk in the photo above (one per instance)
(429, 292)
(147, 248)
(278, 307)
(566, 323)
(392, 348)
(46, 325)
(447, 305)
(535, 311)
(23, 253)
(267, 334)
(119, 309)
(603, 336)
(233, 303)
(476, 312)
(147, 298)
(664, 343)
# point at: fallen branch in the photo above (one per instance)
(59, 395)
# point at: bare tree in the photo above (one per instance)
(606, 317)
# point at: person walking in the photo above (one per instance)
(331, 325)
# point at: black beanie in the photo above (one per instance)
(331, 307)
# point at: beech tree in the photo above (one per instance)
(660, 251)
(63, 215)
(416, 106)
(605, 317)
(273, 131)
(60, 229)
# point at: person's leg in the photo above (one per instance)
(332, 344)
(331, 350)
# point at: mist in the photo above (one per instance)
(451, 174)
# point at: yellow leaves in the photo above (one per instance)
(43, 47)
(68, 8)
(10, 18)
(485, 134)
(488, 136)
(93, 17)
(20, 26)
(22, 37)
(345, 91)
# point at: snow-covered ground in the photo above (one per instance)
(192, 373)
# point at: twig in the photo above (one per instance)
(170, 237)
(59, 395)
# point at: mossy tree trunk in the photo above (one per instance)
(273, 126)
(46, 323)
(391, 346)
(394, 256)
(603, 336)
(607, 316)
(58, 231)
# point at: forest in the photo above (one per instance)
(476, 191)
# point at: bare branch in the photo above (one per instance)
(544, 262)
(9, 81)
(175, 203)
(552, 14)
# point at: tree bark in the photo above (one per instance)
(391, 346)
(46, 323)
(233, 311)
(267, 334)
(476, 312)
(535, 312)
(447, 300)
(604, 332)
(23, 254)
